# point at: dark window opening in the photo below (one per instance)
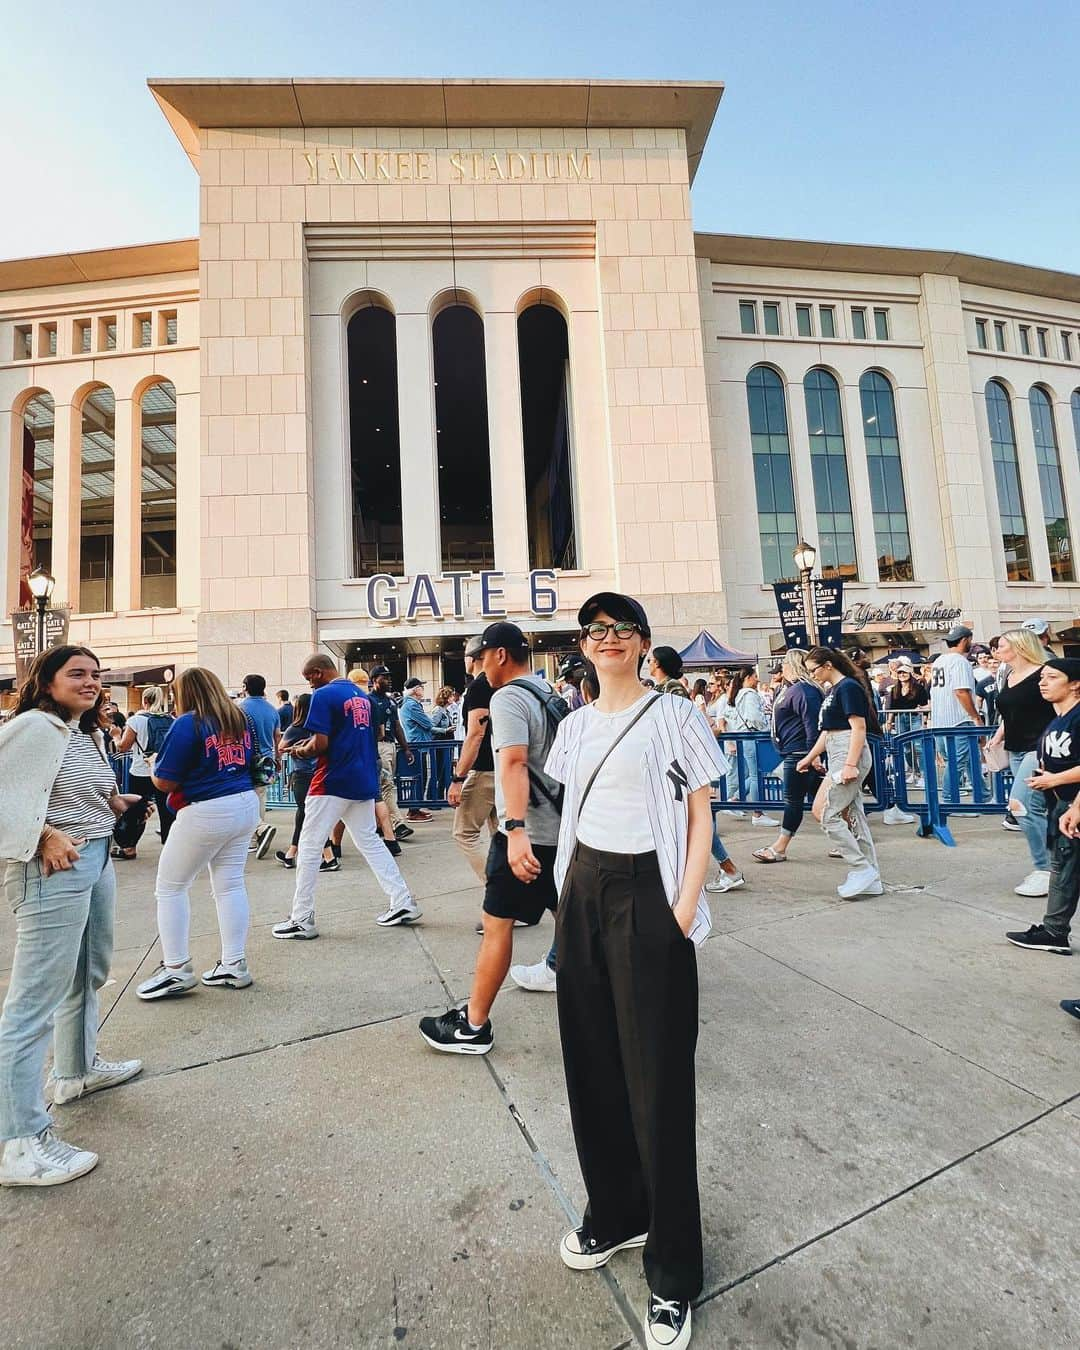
(98, 498)
(375, 444)
(544, 364)
(157, 431)
(461, 440)
(37, 512)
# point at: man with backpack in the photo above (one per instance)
(525, 715)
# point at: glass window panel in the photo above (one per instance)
(374, 442)
(747, 316)
(999, 336)
(772, 319)
(886, 478)
(98, 493)
(1044, 433)
(1025, 340)
(980, 333)
(157, 429)
(1075, 405)
(803, 321)
(881, 325)
(858, 323)
(1007, 477)
(828, 321)
(828, 459)
(1044, 350)
(772, 473)
(1066, 346)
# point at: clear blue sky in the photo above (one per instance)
(948, 125)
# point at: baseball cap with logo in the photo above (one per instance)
(1038, 626)
(618, 606)
(379, 670)
(957, 633)
(502, 634)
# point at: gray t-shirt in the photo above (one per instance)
(518, 718)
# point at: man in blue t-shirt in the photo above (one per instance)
(264, 718)
(343, 787)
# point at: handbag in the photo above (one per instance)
(262, 768)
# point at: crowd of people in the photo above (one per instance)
(591, 799)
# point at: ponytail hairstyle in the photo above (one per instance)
(844, 664)
(153, 700)
(199, 691)
(34, 692)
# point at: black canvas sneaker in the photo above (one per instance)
(1037, 939)
(452, 1034)
(1071, 1006)
(581, 1251)
(394, 847)
(668, 1324)
(403, 831)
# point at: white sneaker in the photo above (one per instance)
(167, 981)
(103, 1074)
(725, 881)
(735, 815)
(234, 976)
(895, 816)
(399, 914)
(862, 881)
(43, 1160)
(303, 928)
(1035, 884)
(764, 820)
(539, 979)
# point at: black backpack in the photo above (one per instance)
(157, 728)
(555, 709)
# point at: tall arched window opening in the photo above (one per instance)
(886, 478)
(778, 524)
(1075, 401)
(374, 443)
(544, 376)
(98, 501)
(1051, 487)
(461, 434)
(1014, 535)
(157, 551)
(832, 492)
(38, 422)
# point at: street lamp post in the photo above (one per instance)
(805, 556)
(41, 582)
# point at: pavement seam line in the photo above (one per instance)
(874, 1012)
(915, 1185)
(541, 1163)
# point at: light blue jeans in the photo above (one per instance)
(1023, 764)
(63, 950)
(749, 750)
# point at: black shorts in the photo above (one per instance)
(505, 897)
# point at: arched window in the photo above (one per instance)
(1014, 535)
(832, 493)
(778, 524)
(544, 377)
(1055, 515)
(1076, 418)
(374, 442)
(98, 500)
(461, 430)
(157, 435)
(38, 421)
(886, 478)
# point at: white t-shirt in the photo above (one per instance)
(140, 724)
(615, 817)
(950, 671)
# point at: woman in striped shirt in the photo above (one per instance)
(59, 882)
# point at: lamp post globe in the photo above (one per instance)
(41, 582)
(805, 556)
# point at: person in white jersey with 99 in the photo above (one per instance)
(952, 702)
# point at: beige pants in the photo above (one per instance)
(843, 819)
(477, 809)
(387, 780)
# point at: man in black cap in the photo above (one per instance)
(520, 872)
(665, 667)
(572, 670)
(952, 703)
(389, 736)
(472, 785)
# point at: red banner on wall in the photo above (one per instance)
(26, 518)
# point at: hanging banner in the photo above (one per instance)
(26, 519)
(24, 634)
(828, 601)
(792, 610)
(828, 611)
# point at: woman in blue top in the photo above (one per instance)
(205, 767)
(794, 730)
(847, 714)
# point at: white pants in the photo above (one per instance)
(321, 814)
(215, 835)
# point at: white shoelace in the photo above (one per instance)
(54, 1150)
(665, 1305)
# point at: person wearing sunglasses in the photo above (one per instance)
(847, 715)
(633, 851)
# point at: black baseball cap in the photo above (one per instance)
(618, 606)
(501, 634)
(377, 671)
(474, 646)
(415, 683)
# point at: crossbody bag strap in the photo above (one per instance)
(607, 753)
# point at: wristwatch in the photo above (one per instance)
(510, 825)
(458, 777)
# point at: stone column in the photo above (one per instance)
(67, 505)
(421, 532)
(127, 502)
(507, 448)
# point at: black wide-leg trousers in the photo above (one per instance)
(628, 1018)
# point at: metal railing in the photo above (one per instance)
(420, 785)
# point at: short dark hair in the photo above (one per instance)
(283, 694)
(669, 661)
(255, 685)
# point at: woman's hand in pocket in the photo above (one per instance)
(59, 852)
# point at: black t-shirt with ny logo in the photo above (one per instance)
(1059, 750)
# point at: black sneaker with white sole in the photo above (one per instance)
(452, 1034)
(403, 831)
(667, 1326)
(1038, 939)
(330, 864)
(266, 838)
(394, 847)
(581, 1251)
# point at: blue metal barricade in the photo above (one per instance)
(121, 766)
(421, 784)
(954, 781)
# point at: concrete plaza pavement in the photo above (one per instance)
(889, 1129)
